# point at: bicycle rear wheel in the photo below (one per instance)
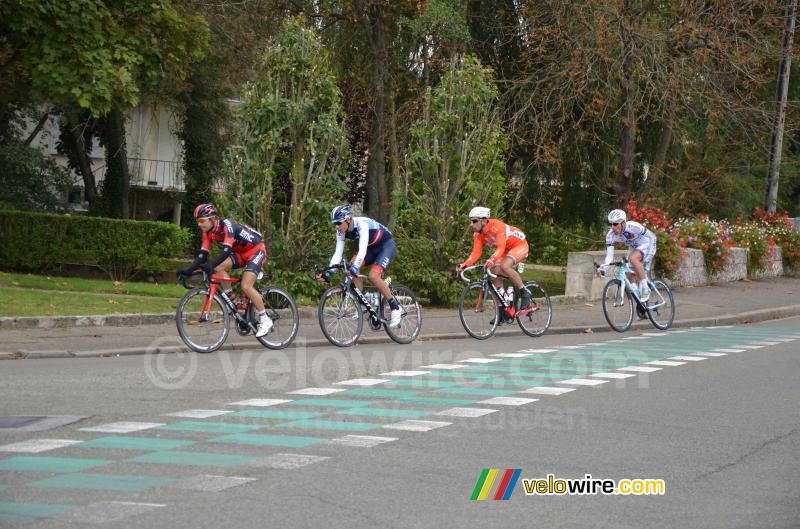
(202, 322)
(283, 312)
(617, 306)
(478, 311)
(535, 320)
(341, 317)
(410, 322)
(661, 306)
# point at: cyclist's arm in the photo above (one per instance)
(477, 250)
(363, 242)
(610, 241)
(227, 243)
(339, 251)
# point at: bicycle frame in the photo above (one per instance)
(510, 307)
(348, 285)
(623, 268)
(214, 288)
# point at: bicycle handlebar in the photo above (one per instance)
(473, 267)
(616, 263)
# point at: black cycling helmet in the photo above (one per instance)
(203, 211)
(340, 214)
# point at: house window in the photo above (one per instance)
(97, 151)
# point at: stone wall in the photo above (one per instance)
(581, 279)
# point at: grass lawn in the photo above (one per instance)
(42, 303)
(73, 284)
(554, 282)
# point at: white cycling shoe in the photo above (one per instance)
(264, 326)
(394, 318)
(644, 294)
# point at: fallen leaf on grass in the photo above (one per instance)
(117, 283)
(15, 283)
(113, 302)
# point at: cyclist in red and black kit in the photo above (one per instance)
(242, 247)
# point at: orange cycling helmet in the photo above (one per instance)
(203, 211)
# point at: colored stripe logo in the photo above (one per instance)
(496, 484)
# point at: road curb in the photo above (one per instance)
(753, 316)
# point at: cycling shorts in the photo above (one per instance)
(518, 253)
(382, 255)
(252, 261)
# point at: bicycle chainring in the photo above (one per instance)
(374, 322)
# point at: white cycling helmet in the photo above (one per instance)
(617, 215)
(479, 212)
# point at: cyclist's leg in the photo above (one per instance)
(254, 265)
(636, 258)
(380, 260)
(222, 270)
(507, 265)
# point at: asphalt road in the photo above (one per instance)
(722, 433)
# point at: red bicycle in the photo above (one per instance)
(204, 314)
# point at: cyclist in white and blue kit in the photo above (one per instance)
(376, 247)
(642, 244)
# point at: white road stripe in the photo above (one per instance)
(729, 350)
(361, 441)
(537, 351)
(612, 375)
(362, 382)
(689, 358)
(546, 390)
(259, 403)
(665, 363)
(582, 382)
(480, 360)
(416, 426)
(512, 355)
(443, 366)
(34, 446)
(640, 369)
(288, 461)
(316, 391)
(507, 401)
(465, 412)
(712, 354)
(197, 414)
(122, 427)
(405, 373)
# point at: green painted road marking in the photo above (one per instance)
(200, 459)
(435, 401)
(476, 391)
(135, 443)
(50, 464)
(416, 382)
(214, 427)
(324, 403)
(385, 412)
(291, 441)
(11, 512)
(379, 392)
(278, 414)
(101, 482)
(315, 424)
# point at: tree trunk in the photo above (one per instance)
(657, 169)
(117, 184)
(38, 127)
(376, 191)
(75, 135)
(623, 184)
(394, 157)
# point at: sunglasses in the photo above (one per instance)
(616, 223)
(338, 223)
(473, 221)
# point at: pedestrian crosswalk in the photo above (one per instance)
(205, 449)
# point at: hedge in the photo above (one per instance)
(43, 242)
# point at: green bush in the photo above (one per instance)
(41, 242)
(31, 181)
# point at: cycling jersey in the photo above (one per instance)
(240, 238)
(506, 239)
(369, 233)
(636, 236)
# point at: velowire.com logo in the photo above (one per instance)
(496, 484)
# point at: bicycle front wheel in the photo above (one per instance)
(617, 306)
(661, 306)
(341, 317)
(202, 321)
(478, 311)
(285, 317)
(535, 320)
(411, 320)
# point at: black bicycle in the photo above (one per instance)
(342, 310)
(483, 307)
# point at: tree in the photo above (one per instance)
(100, 56)
(457, 158)
(291, 124)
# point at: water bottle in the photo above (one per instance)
(510, 294)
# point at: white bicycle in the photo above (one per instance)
(620, 296)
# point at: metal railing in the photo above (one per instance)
(156, 174)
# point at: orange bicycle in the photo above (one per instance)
(204, 314)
